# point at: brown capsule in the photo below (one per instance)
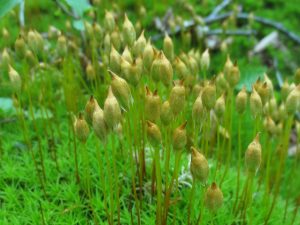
(255, 103)
(269, 83)
(233, 76)
(270, 125)
(264, 92)
(5, 61)
(89, 29)
(109, 21)
(135, 71)
(198, 111)
(112, 111)
(197, 88)
(179, 137)
(30, 58)
(120, 89)
(127, 55)
(221, 83)
(285, 90)
(253, 155)
(180, 68)
(184, 57)
(153, 134)
(62, 47)
(82, 129)
(35, 42)
(282, 112)
(115, 60)
(128, 32)
(270, 108)
(199, 166)
(227, 67)
(193, 65)
(220, 106)
(241, 101)
(115, 39)
(161, 69)
(209, 96)
(166, 115)
(177, 98)
(152, 106)
(90, 72)
(99, 124)
(205, 60)
(168, 47)
(139, 45)
(293, 101)
(148, 55)
(213, 198)
(15, 79)
(125, 68)
(90, 108)
(20, 46)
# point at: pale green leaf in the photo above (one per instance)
(249, 75)
(7, 5)
(79, 6)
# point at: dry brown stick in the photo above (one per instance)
(240, 16)
(219, 8)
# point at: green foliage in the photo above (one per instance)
(79, 6)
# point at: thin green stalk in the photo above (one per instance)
(248, 199)
(229, 129)
(39, 140)
(29, 145)
(239, 160)
(53, 139)
(102, 182)
(190, 206)
(267, 171)
(168, 154)
(290, 176)
(111, 192)
(169, 191)
(75, 151)
(116, 176)
(207, 133)
(42, 214)
(87, 175)
(159, 186)
(283, 156)
(131, 152)
(219, 152)
(200, 216)
(295, 214)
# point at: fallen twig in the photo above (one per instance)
(237, 32)
(219, 8)
(241, 16)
